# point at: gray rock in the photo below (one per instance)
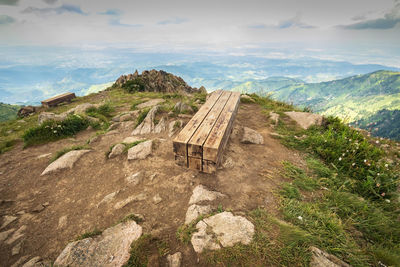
(114, 126)
(130, 199)
(157, 199)
(247, 97)
(7, 219)
(274, 117)
(16, 249)
(111, 248)
(16, 235)
(112, 132)
(251, 136)
(200, 193)
(194, 211)
(147, 126)
(81, 108)
(62, 222)
(161, 126)
(65, 161)
(131, 139)
(46, 116)
(183, 108)
(43, 156)
(320, 258)
(108, 198)
(116, 118)
(117, 150)
(174, 260)
(150, 103)
(5, 234)
(94, 139)
(173, 126)
(304, 119)
(223, 229)
(32, 262)
(134, 179)
(125, 117)
(38, 208)
(140, 151)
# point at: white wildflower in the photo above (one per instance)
(365, 160)
(353, 164)
(377, 141)
(54, 131)
(300, 218)
(340, 158)
(386, 165)
(387, 200)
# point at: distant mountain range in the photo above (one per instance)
(369, 99)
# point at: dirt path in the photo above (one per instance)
(249, 178)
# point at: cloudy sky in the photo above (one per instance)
(358, 30)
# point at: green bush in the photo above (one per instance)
(104, 110)
(54, 130)
(133, 86)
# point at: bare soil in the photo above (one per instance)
(250, 179)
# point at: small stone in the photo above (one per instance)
(16, 249)
(94, 139)
(46, 204)
(131, 139)
(7, 220)
(62, 222)
(157, 199)
(247, 97)
(140, 151)
(251, 136)
(152, 177)
(114, 126)
(134, 179)
(108, 198)
(5, 234)
(305, 119)
(16, 235)
(117, 150)
(320, 258)
(174, 260)
(125, 117)
(66, 161)
(43, 156)
(32, 262)
(130, 199)
(38, 208)
(200, 193)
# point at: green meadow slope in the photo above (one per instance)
(8, 112)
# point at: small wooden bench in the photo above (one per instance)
(55, 100)
(202, 141)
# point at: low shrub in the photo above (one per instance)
(54, 130)
(133, 86)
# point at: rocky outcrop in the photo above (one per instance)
(222, 230)
(66, 161)
(304, 119)
(111, 248)
(140, 151)
(157, 81)
(147, 126)
(150, 103)
(81, 108)
(251, 136)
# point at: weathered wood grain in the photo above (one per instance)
(195, 144)
(181, 140)
(219, 135)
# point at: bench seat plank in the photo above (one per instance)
(195, 144)
(181, 140)
(219, 135)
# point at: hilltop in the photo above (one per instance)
(309, 195)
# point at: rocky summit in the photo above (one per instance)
(157, 81)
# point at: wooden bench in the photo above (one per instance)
(55, 100)
(202, 141)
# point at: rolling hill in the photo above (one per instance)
(8, 112)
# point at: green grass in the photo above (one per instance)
(93, 233)
(7, 145)
(131, 217)
(52, 130)
(185, 232)
(136, 102)
(60, 153)
(140, 251)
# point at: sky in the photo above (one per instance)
(360, 30)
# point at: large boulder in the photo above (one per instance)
(251, 136)
(111, 248)
(222, 230)
(304, 119)
(46, 116)
(194, 211)
(66, 161)
(147, 126)
(140, 151)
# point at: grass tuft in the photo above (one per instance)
(93, 233)
(60, 153)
